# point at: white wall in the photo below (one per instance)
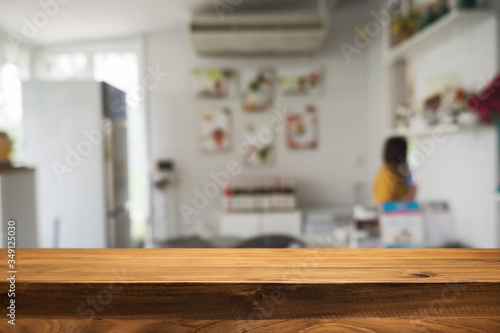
(325, 176)
(377, 115)
(463, 169)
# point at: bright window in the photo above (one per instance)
(61, 67)
(11, 113)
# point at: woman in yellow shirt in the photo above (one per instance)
(393, 181)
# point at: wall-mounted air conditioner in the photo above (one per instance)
(255, 35)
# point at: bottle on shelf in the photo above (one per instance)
(259, 195)
(290, 192)
(227, 198)
(236, 202)
(267, 196)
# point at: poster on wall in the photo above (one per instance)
(300, 81)
(214, 83)
(258, 89)
(215, 130)
(258, 145)
(302, 127)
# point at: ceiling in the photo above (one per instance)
(90, 20)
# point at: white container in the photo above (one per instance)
(468, 119)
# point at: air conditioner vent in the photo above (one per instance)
(257, 27)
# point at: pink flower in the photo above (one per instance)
(486, 103)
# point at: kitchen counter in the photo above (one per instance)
(268, 290)
(11, 168)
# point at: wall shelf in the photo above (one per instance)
(436, 33)
(441, 129)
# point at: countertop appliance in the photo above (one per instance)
(76, 138)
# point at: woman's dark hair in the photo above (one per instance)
(395, 151)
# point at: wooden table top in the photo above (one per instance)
(256, 265)
(254, 290)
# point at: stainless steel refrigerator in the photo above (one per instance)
(76, 138)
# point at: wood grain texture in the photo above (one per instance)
(264, 265)
(395, 325)
(266, 290)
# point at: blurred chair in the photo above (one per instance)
(272, 241)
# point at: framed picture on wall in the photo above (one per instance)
(214, 83)
(258, 89)
(300, 81)
(302, 127)
(258, 145)
(215, 130)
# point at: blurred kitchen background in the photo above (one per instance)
(247, 123)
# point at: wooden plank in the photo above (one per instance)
(202, 301)
(265, 266)
(392, 325)
(281, 262)
(255, 290)
(300, 274)
(261, 253)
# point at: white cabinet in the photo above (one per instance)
(247, 225)
(18, 203)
